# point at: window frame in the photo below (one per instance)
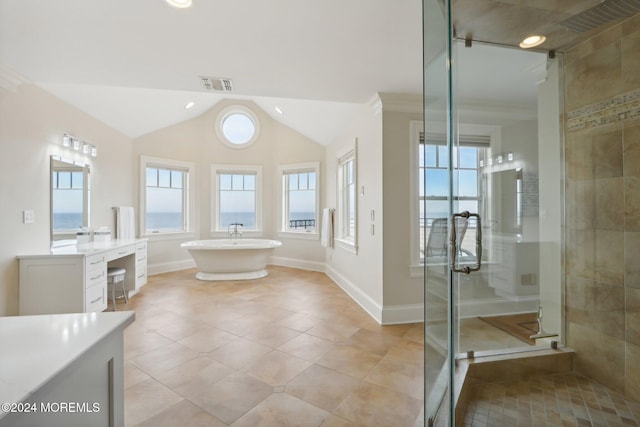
(216, 170)
(487, 132)
(344, 239)
(283, 172)
(188, 196)
(242, 110)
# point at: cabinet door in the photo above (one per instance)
(49, 286)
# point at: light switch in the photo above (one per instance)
(28, 217)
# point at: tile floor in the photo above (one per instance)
(290, 349)
(550, 400)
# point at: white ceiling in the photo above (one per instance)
(135, 64)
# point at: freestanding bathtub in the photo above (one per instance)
(231, 259)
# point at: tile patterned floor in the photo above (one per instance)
(293, 350)
(553, 400)
(290, 349)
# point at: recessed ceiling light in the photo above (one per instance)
(532, 41)
(189, 105)
(279, 110)
(180, 3)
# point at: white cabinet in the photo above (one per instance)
(141, 264)
(514, 272)
(73, 279)
(55, 360)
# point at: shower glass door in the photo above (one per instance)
(435, 210)
(506, 166)
(491, 203)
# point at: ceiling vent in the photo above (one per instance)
(607, 11)
(216, 84)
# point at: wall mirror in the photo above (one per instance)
(503, 206)
(69, 198)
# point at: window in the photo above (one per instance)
(237, 198)
(347, 206)
(237, 126)
(166, 197)
(433, 163)
(430, 183)
(300, 197)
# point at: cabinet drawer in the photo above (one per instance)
(120, 252)
(96, 262)
(141, 257)
(141, 275)
(95, 276)
(96, 298)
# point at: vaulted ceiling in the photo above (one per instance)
(135, 64)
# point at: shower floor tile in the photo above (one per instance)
(550, 400)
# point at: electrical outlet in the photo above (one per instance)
(28, 217)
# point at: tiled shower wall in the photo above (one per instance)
(602, 113)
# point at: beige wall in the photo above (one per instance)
(360, 274)
(400, 289)
(197, 141)
(603, 209)
(32, 123)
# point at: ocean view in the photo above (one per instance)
(173, 220)
(67, 221)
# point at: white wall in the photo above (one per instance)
(403, 294)
(360, 274)
(32, 123)
(197, 141)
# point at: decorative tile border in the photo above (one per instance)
(620, 107)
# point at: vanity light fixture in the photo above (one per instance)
(181, 4)
(532, 41)
(76, 144)
(189, 105)
(510, 156)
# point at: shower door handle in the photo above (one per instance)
(453, 244)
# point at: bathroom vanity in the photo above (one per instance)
(63, 369)
(73, 278)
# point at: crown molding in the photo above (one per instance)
(376, 104)
(401, 102)
(10, 80)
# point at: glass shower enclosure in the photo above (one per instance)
(491, 203)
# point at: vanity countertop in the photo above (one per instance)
(85, 249)
(37, 348)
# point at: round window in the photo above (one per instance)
(237, 127)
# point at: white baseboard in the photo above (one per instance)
(167, 267)
(385, 315)
(362, 299)
(298, 263)
(397, 314)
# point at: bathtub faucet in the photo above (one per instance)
(233, 231)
